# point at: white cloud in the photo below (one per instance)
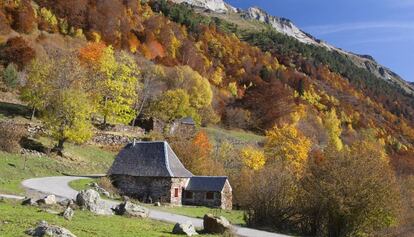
(358, 26)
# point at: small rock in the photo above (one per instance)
(216, 225)
(157, 204)
(44, 229)
(68, 214)
(66, 202)
(50, 211)
(130, 209)
(48, 200)
(29, 202)
(184, 229)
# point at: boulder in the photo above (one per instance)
(157, 204)
(29, 202)
(216, 225)
(132, 210)
(91, 200)
(48, 200)
(44, 229)
(184, 229)
(68, 213)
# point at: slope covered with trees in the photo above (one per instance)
(83, 65)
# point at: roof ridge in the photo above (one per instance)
(167, 162)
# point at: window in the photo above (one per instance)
(176, 192)
(209, 195)
(188, 195)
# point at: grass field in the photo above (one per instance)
(15, 219)
(79, 160)
(234, 216)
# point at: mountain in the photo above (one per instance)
(287, 27)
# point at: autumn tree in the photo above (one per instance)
(172, 105)
(333, 126)
(57, 88)
(37, 87)
(350, 193)
(115, 84)
(253, 158)
(286, 144)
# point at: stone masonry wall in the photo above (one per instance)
(157, 189)
(178, 183)
(227, 197)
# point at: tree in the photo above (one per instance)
(253, 158)
(333, 126)
(37, 85)
(116, 82)
(11, 75)
(286, 144)
(68, 117)
(172, 105)
(350, 193)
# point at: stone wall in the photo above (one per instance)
(145, 189)
(199, 199)
(180, 184)
(227, 197)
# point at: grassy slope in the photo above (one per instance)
(234, 216)
(82, 160)
(218, 134)
(15, 219)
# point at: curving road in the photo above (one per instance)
(59, 186)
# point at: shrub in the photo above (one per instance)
(24, 17)
(10, 136)
(11, 75)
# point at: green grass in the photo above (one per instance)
(15, 219)
(80, 160)
(234, 216)
(81, 184)
(219, 134)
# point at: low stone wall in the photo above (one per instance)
(111, 139)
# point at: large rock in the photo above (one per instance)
(44, 229)
(216, 225)
(91, 200)
(132, 210)
(48, 200)
(184, 229)
(68, 213)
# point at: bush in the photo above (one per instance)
(11, 75)
(24, 18)
(10, 137)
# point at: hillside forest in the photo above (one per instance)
(336, 158)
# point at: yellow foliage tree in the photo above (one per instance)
(253, 158)
(288, 145)
(333, 126)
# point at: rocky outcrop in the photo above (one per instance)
(213, 5)
(91, 200)
(44, 229)
(184, 229)
(216, 225)
(131, 210)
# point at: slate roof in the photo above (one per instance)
(206, 183)
(149, 159)
(187, 120)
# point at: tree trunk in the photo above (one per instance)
(33, 113)
(60, 146)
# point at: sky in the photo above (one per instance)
(383, 29)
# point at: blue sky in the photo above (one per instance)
(381, 28)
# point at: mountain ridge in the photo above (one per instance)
(287, 27)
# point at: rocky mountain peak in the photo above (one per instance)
(218, 6)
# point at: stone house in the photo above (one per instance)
(151, 172)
